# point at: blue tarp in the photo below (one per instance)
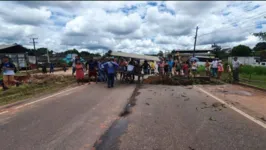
(69, 58)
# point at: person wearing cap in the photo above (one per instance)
(8, 69)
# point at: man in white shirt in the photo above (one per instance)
(236, 65)
(214, 67)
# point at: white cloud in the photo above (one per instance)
(131, 26)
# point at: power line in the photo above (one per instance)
(253, 17)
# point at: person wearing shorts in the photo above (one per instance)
(8, 69)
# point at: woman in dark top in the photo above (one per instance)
(145, 67)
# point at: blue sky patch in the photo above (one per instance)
(128, 10)
(152, 3)
(226, 13)
(162, 8)
(259, 24)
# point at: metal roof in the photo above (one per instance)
(6, 46)
(136, 56)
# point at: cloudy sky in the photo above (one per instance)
(138, 27)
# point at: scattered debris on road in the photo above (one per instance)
(263, 119)
(190, 148)
(147, 104)
(204, 103)
(186, 99)
(212, 119)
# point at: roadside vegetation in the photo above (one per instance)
(251, 75)
(37, 85)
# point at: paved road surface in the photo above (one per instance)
(69, 121)
(164, 118)
(179, 118)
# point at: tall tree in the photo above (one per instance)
(263, 55)
(160, 53)
(173, 51)
(84, 54)
(260, 46)
(241, 50)
(73, 51)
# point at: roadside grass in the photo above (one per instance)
(254, 77)
(35, 89)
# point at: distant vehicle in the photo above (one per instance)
(262, 64)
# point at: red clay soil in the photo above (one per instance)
(250, 100)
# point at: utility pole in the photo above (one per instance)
(48, 59)
(195, 41)
(33, 42)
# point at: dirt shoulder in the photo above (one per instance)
(39, 85)
(250, 100)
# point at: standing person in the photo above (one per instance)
(79, 72)
(92, 69)
(152, 67)
(145, 67)
(161, 67)
(220, 69)
(170, 66)
(131, 69)
(194, 68)
(8, 69)
(51, 68)
(185, 68)
(74, 61)
(111, 67)
(207, 68)
(64, 67)
(101, 70)
(166, 68)
(177, 67)
(123, 68)
(236, 65)
(214, 66)
(44, 70)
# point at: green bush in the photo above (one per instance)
(247, 69)
(201, 68)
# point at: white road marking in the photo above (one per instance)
(46, 97)
(3, 112)
(235, 109)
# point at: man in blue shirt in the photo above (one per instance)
(111, 67)
(170, 65)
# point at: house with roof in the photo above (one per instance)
(17, 54)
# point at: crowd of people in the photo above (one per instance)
(107, 69)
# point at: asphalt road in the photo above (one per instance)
(181, 118)
(164, 118)
(72, 120)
